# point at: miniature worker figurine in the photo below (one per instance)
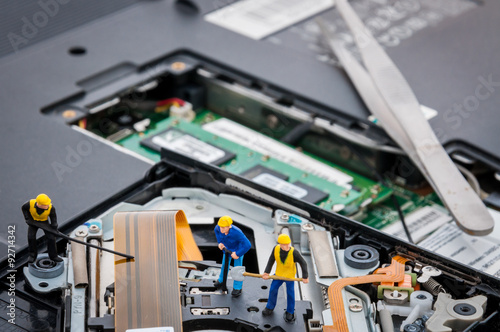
(285, 257)
(36, 214)
(231, 237)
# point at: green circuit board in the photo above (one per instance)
(363, 199)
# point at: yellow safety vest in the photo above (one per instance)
(39, 217)
(286, 269)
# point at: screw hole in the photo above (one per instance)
(267, 326)
(43, 284)
(263, 287)
(77, 50)
(253, 309)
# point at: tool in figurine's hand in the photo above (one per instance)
(227, 253)
(54, 231)
(238, 273)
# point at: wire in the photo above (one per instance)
(296, 133)
(381, 180)
(471, 178)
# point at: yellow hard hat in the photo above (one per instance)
(225, 221)
(284, 239)
(43, 199)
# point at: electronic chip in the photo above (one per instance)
(259, 169)
(313, 195)
(181, 142)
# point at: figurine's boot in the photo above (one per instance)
(56, 259)
(267, 311)
(32, 258)
(236, 292)
(289, 318)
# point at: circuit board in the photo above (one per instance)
(362, 199)
(244, 160)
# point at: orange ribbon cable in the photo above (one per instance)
(392, 273)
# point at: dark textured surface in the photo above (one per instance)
(442, 64)
(26, 22)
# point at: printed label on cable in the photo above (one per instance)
(260, 18)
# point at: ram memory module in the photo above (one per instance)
(242, 151)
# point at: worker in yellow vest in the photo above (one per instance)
(36, 214)
(285, 257)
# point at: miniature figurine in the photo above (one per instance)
(285, 257)
(36, 214)
(231, 237)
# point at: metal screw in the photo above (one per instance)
(428, 272)
(430, 269)
(307, 227)
(355, 307)
(272, 121)
(285, 217)
(94, 229)
(81, 233)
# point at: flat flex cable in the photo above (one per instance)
(147, 287)
(392, 273)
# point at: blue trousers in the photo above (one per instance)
(237, 262)
(290, 295)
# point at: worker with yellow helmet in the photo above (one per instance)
(37, 213)
(285, 257)
(232, 238)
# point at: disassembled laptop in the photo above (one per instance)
(219, 145)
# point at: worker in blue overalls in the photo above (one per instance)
(232, 238)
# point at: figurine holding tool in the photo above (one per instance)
(285, 257)
(231, 238)
(37, 213)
